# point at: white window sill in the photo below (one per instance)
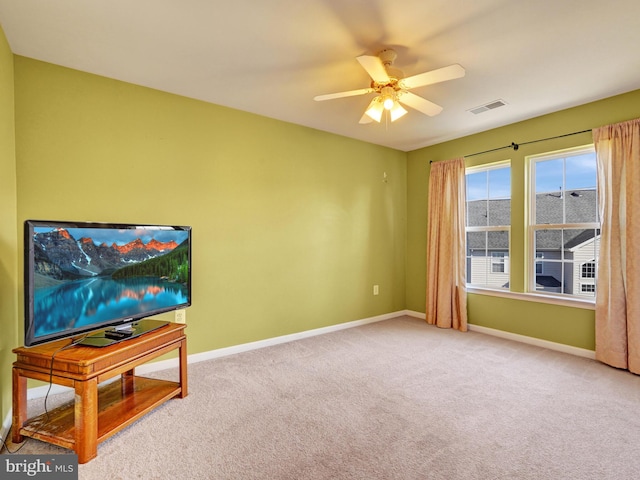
(535, 297)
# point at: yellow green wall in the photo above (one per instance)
(571, 326)
(291, 226)
(8, 228)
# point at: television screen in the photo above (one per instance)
(82, 276)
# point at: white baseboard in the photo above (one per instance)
(558, 347)
(415, 314)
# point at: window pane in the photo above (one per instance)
(498, 241)
(477, 186)
(477, 260)
(500, 183)
(476, 241)
(548, 243)
(587, 245)
(489, 197)
(566, 190)
(577, 241)
(581, 206)
(551, 280)
(499, 212)
(581, 172)
(488, 259)
(549, 208)
(565, 259)
(549, 174)
(477, 214)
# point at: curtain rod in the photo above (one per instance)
(515, 146)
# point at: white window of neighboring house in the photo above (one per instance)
(564, 229)
(499, 262)
(588, 288)
(588, 269)
(488, 225)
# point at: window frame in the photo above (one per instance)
(493, 228)
(532, 227)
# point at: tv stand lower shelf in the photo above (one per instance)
(98, 411)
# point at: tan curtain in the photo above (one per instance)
(446, 287)
(618, 281)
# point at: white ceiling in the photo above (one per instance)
(271, 57)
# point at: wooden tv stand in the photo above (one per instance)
(97, 412)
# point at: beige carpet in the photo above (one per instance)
(391, 400)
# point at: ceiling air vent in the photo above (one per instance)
(488, 106)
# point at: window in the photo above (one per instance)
(498, 262)
(564, 230)
(588, 288)
(488, 225)
(588, 270)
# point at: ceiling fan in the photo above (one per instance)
(393, 88)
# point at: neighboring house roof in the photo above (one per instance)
(547, 281)
(481, 213)
(582, 238)
(579, 206)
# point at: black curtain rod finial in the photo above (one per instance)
(515, 146)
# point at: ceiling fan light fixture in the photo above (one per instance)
(388, 95)
(397, 111)
(375, 109)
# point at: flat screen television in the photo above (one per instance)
(81, 277)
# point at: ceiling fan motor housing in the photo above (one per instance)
(387, 57)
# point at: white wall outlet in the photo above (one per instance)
(181, 316)
(376, 290)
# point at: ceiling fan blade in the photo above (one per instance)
(350, 93)
(375, 68)
(434, 76)
(418, 103)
